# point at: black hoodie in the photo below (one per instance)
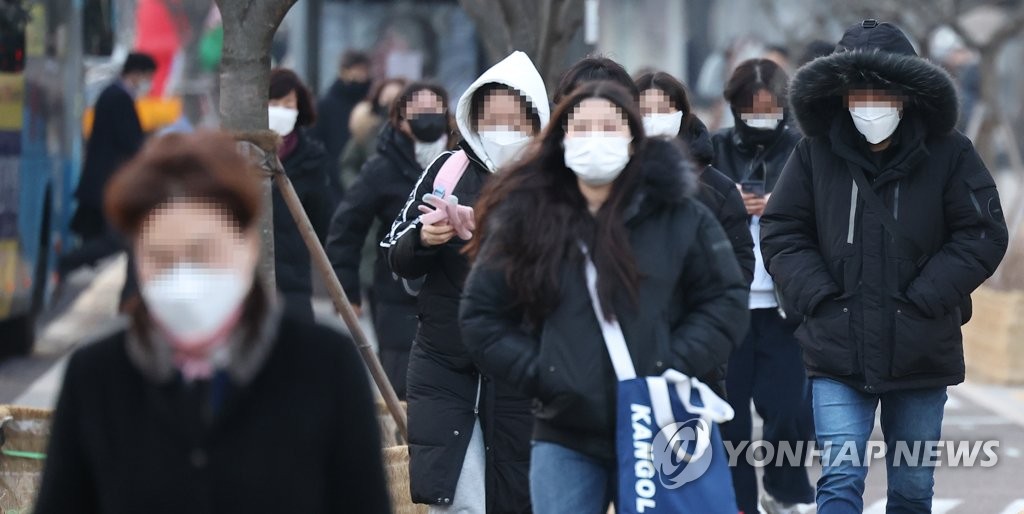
(872, 317)
(691, 312)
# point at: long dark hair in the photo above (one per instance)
(674, 90)
(534, 216)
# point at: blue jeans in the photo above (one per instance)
(564, 480)
(846, 416)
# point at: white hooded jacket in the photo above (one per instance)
(516, 71)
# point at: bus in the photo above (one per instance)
(40, 154)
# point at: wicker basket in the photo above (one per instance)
(992, 348)
(24, 433)
(396, 468)
(389, 435)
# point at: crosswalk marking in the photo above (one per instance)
(939, 506)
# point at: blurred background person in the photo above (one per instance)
(768, 367)
(368, 117)
(419, 129)
(469, 435)
(307, 165)
(116, 136)
(209, 398)
(665, 106)
(336, 105)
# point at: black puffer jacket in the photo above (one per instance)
(307, 168)
(379, 192)
(443, 382)
(871, 317)
(692, 312)
(741, 161)
(718, 192)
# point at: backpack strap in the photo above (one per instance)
(450, 173)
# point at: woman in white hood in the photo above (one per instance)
(469, 437)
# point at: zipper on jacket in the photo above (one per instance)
(853, 213)
(896, 203)
(479, 386)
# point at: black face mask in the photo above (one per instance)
(356, 89)
(428, 128)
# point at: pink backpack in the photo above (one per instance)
(441, 205)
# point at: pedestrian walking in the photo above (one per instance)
(336, 105)
(208, 397)
(882, 223)
(665, 106)
(368, 117)
(418, 130)
(307, 165)
(115, 138)
(767, 368)
(666, 275)
(469, 435)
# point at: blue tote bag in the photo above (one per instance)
(668, 445)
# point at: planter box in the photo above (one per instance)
(994, 339)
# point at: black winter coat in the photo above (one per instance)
(333, 113)
(692, 312)
(741, 161)
(719, 194)
(871, 317)
(379, 193)
(443, 382)
(307, 168)
(116, 137)
(300, 436)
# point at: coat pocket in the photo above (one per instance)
(826, 340)
(925, 345)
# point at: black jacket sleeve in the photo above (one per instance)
(351, 222)
(977, 239)
(789, 241)
(355, 463)
(493, 331)
(67, 484)
(719, 193)
(407, 256)
(716, 302)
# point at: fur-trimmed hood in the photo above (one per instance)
(817, 90)
(669, 177)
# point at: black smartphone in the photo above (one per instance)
(753, 187)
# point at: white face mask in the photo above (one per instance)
(876, 123)
(761, 121)
(503, 145)
(143, 89)
(282, 119)
(427, 152)
(193, 303)
(597, 159)
(663, 125)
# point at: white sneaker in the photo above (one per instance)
(773, 506)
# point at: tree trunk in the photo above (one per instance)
(541, 28)
(249, 27)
